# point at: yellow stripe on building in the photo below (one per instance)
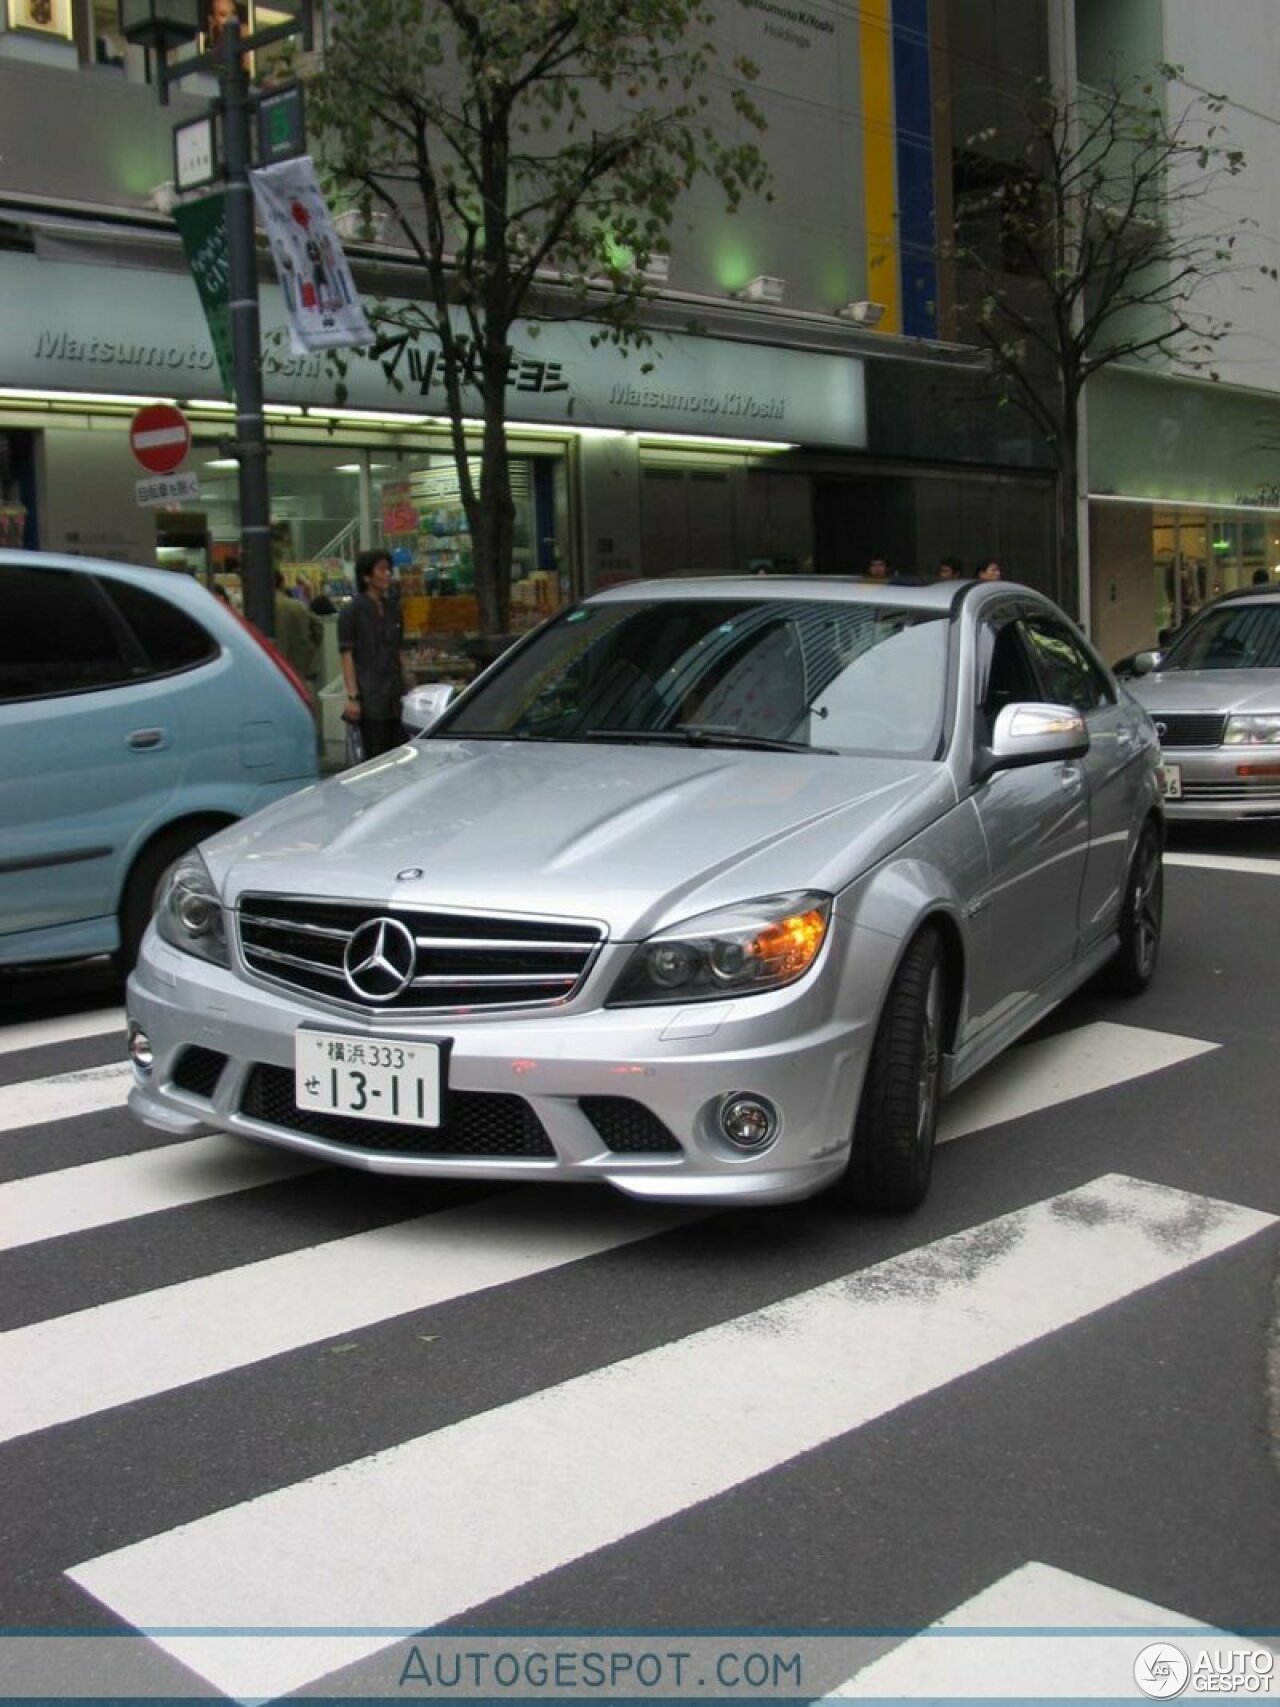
(878, 149)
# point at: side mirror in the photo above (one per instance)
(1143, 663)
(1034, 734)
(421, 707)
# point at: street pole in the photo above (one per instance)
(257, 565)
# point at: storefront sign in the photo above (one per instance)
(62, 330)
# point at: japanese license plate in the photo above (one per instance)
(1172, 775)
(368, 1078)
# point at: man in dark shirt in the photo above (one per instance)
(370, 649)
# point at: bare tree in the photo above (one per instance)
(1086, 232)
(530, 154)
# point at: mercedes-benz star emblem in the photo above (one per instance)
(379, 960)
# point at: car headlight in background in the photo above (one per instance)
(189, 914)
(735, 951)
(1257, 729)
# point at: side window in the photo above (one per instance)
(1009, 678)
(170, 638)
(55, 635)
(1070, 676)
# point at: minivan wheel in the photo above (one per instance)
(144, 886)
(891, 1157)
(1141, 917)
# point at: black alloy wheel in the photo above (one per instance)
(891, 1157)
(1141, 917)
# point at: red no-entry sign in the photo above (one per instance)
(160, 437)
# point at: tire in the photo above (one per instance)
(1141, 917)
(143, 884)
(891, 1157)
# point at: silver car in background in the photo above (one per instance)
(709, 889)
(1214, 696)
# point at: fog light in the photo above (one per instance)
(140, 1048)
(748, 1122)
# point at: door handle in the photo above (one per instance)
(144, 740)
(1071, 778)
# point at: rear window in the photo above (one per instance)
(56, 636)
(170, 639)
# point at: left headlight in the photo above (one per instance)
(189, 914)
(1259, 729)
(735, 951)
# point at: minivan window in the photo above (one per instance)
(170, 638)
(55, 635)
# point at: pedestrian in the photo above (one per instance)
(949, 570)
(371, 652)
(299, 635)
(877, 570)
(989, 570)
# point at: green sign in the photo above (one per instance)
(204, 237)
(282, 131)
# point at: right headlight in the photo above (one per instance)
(735, 951)
(1261, 728)
(189, 915)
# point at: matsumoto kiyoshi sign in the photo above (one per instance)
(80, 328)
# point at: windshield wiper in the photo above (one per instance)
(696, 735)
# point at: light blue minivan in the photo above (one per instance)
(138, 714)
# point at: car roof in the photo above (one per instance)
(931, 595)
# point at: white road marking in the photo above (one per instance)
(1226, 862)
(1037, 1635)
(71, 1200)
(73, 1366)
(36, 1033)
(1056, 1069)
(35, 1101)
(417, 1534)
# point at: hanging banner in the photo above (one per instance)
(203, 227)
(319, 293)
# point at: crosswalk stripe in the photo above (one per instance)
(73, 1366)
(72, 1200)
(1055, 1069)
(35, 1101)
(416, 1534)
(67, 1029)
(1038, 1633)
(1226, 862)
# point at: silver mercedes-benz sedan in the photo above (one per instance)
(1215, 699)
(708, 889)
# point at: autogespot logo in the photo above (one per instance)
(1161, 1671)
(380, 959)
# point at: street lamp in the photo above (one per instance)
(160, 26)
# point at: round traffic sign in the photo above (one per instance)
(160, 437)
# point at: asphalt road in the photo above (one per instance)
(233, 1399)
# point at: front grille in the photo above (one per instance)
(1241, 790)
(1189, 728)
(628, 1127)
(476, 1123)
(462, 962)
(198, 1070)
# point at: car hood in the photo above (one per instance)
(1207, 690)
(632, 836)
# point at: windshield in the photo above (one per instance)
(1232, 637)
(782, 673)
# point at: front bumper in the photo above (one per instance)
(804, 1048)
(1213, 789)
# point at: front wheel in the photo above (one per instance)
(1141, 918)
(891, 1158)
